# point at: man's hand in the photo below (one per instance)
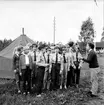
(74, 67)
(79, 67)
(49, 71)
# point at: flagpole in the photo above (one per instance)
(54, 30)
(22, 31)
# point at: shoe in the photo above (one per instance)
(28, 93)
(77, 86)
(60, 87)
(89, 93)
(24, 93)
(19, 91)
(93, 96)
(39, 95)
(65, 87)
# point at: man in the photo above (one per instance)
(34, 58)
(55, 71)
(25, 70)
(46, 80)
(41, 65)
(78, 64)
(94, 68)
(64, 69)
(71, 66)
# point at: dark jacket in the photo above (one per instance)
(22, 64)
(92, 59)
(15, 62)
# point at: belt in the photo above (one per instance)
(56, 63)
(27, 65)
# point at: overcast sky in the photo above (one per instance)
(37, 19)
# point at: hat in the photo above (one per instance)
(18, 48)
(48, 48)
(41, 47)
(56, 47)
(71, 43)
(34, 44)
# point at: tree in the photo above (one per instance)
(4, 43)
(102, 38)
(87, 31)
(103, 32)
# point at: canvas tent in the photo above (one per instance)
(6, 56)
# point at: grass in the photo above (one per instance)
(71, 96)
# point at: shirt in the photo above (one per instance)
(53, 58)
(32, 55)
(79, 56)
(70, 59)
(41, 58)
(26, 59)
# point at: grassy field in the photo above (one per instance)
(71, 96)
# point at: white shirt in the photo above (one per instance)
(26, 59)
(90, 50)
(53, 58)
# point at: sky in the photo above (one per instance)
(37, 19)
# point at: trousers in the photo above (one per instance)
(55, 76)
(94, 80)
(34, 73)
(45, 80)
(77, 75)
(64, 75)
(39, 79)
(26, 79)
(71, 77)
(17, 78)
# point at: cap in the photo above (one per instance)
(34, 44)
(42, 47)
(56, 47)
(48, 48)
(71, 43)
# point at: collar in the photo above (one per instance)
(90, 50)
(17, 54)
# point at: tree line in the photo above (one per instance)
(4, 43)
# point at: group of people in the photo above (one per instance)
(39, 68)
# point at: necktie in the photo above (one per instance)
(44, 58)
(48, 59)
(77, 62)
(56, 58)
(34, 56)
(64, 58)
(77, 56)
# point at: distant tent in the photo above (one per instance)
(6, 56)
(99, 45)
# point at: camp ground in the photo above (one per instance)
(6, 56)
